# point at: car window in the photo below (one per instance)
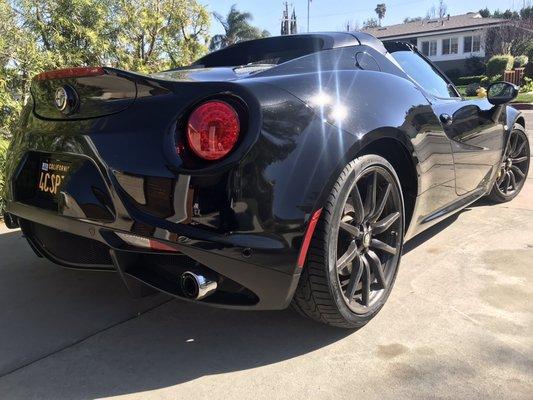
(424, 74)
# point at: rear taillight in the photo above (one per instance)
(213, 130)
(78, 72)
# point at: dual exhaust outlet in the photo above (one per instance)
(196, 286)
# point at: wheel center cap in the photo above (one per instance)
(366, 239)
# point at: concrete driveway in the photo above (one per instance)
(459, 324)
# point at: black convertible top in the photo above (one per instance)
(279, 49)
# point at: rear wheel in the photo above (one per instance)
(513, 169)
(356, 248)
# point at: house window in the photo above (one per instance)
(429, 48)
(471, 44)
(450, 46)
(476, 43)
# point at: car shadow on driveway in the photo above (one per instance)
(76, 334)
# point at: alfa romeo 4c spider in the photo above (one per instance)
(275, 172)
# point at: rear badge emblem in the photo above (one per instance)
(66, 99)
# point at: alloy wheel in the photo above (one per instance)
(369, 239)
(514, 167)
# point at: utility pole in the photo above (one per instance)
(308, 4)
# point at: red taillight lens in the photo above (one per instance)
(213, 130)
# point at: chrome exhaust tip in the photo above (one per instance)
(196, 286)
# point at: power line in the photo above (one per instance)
(345, 13)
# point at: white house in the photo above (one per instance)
(447, 41)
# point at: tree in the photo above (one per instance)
(507, 14)
(485, 12)
(407, 20)
(237, 28)
(380, 10)
(512, 37)
(438, 11)
(9, 106)
(442, 9)
(68, 32)
(152, 35)
(370, 23)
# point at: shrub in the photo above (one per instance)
(453, 74)
(471, 89)
(529, 52)
(496, 78)
(466, 80)
(527, 85)
(520, 61)
(497, 65)
(528, 71)
(475, 66)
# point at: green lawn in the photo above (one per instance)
(522, 97)
(3, 143)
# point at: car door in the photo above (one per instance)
(476, 131)
(473, 127)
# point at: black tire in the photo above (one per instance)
(514, 169)
(324, 292)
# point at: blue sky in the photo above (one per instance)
(333, 14)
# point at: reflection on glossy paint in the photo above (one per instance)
(320, 99)
(338, 112)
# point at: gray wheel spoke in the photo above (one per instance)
(365, 298)
(379, 245)
(352, 230)
(355, 277)
(370, 199)
(513, 180)
(519, 160)
(384, 224)
(383, 202)
(512, 144)
(348, 256)
(505, 183)
(357, 204)
(518, 171)
(377, 267)
(517, 152)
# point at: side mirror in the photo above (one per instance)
(502, 93)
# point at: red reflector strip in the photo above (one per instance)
(144, 242)
(307, 238)
(78, 72)
(160, 246)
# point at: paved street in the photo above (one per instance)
(458, 324)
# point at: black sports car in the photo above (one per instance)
(275, 171)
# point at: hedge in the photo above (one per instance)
(497, 65)
(520, 61)
(467, 80)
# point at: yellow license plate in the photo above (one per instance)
(52, 176)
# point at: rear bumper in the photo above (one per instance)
(248, 286)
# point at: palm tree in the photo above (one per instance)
(237, 28)
(380, 10)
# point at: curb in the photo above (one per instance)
(523, 106)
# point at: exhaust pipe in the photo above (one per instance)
(196, 286)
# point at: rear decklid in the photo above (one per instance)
(79, 93)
